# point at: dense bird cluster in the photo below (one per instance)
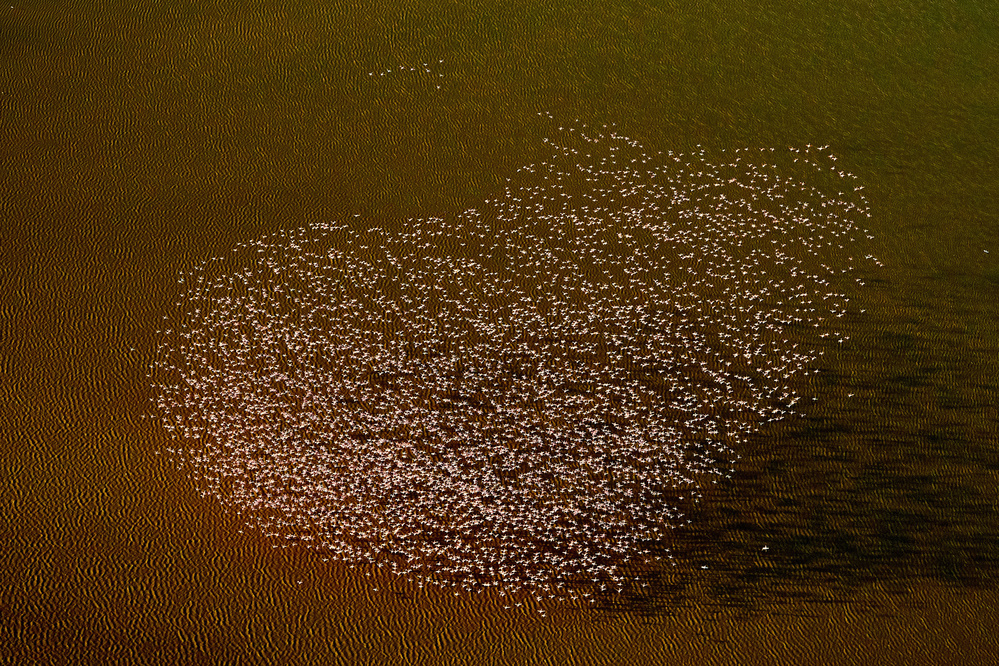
(523, 396)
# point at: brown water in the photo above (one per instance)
(137, 143)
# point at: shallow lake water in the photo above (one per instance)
(138, 143)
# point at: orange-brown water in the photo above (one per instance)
(135, 144)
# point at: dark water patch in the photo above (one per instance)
(842, 502)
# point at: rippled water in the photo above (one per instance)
(140, 140)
